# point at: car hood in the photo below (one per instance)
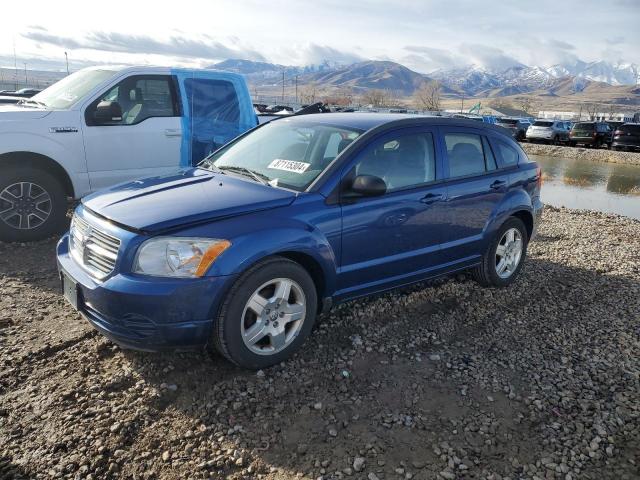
(10, 112)
(186, 197)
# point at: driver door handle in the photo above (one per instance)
(430, 198)
(498, 184)
(172, 132)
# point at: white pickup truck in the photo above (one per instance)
(105, 125)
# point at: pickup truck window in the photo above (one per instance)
(65, 93)
(140, 97)
(214, 112)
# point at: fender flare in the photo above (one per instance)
(288, 238)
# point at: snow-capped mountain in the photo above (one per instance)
(470, 80)
(476, 79)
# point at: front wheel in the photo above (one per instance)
(267, 314)
(505, 255)
(33, 205)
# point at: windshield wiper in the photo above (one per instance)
(257, 176)
(31, 100)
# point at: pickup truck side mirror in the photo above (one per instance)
(107, 113)
(368, 186)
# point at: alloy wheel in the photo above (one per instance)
(509, 253)
(25, 205)
(273, 316)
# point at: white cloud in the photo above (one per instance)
(426, 34)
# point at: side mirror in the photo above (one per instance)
(107, 113)
(368, 186)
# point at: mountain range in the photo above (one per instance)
(470, 80)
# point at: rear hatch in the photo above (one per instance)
(507, 123)
(540, 127)
(627, 135)
(583, 130)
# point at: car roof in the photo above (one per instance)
(367, 121)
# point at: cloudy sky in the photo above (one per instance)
(423, 35)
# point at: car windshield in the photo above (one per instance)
(542, 124)
(284, 153)
(584, 126)
(65, 93)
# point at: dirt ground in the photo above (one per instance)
(446, 380)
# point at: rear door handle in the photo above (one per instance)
(172, 132)
(430, 198)
(498, 184)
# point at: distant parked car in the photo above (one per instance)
(243, 252)
(279, 109)
(591, 134)
(8, 100)
(516, 126)
(548, 131)
(23, 92)
(614, 124)
(627, 137)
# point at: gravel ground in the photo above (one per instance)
(593, 154)
(539, 380)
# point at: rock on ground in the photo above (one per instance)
(447, 380)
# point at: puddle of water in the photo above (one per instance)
(606, 187)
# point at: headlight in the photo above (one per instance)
(178, 256)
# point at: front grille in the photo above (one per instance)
(96, 251)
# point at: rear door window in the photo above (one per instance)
(213, 114)
(469, 154)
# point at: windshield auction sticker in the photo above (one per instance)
(289, 165)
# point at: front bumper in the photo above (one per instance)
(146, 313)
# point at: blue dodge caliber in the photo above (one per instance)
(244, 251)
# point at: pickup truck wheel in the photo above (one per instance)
(33, 205)
(267, 314)
(505, 255)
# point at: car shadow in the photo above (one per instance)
(377, 382)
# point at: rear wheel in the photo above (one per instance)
(505, 255)
(33, 205)
(267, 314)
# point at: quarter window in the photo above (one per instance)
(469, 154)
(508, 154)
(403, 161)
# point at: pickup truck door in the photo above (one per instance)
(145, 141)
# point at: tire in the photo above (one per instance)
(234, 321)
(572, 144)
(486, 273)
(22, 217)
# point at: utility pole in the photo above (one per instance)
(26, 82)
(282, 86)
(462, 104)
(15, 65)
(66, 57)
